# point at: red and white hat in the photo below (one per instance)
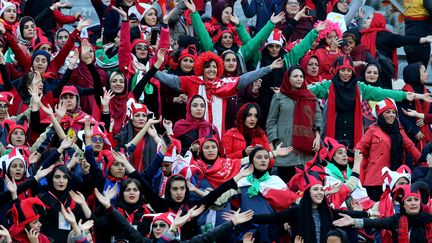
(4, 5)
(140, 10)
(6, 97)
(183, 166)
(166, 217)
(391, 177)
(6, 160)
(276, 37)
(384, 105)
(172, 151)
(133, 107)
(418, 189)
(332, 146)
(12, 126)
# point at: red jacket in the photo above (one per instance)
(375, 146)
(234, 143)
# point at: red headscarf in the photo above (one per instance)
(241, 119)
(309, 79)
(369, 36)
(304, 113)
(185, 125)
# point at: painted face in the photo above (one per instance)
(178, 190)
(158, 227)
(60, 180)
(139, 120)
(131, 194)
(3, 110)
(29, 30)
(251, 118)
(150, 17)
(17, 169)
(340, 156)
(71, 101)
(35, 225)
(345, 74)
(166, 168)
(261, 160)
(342, 5)
(412, 205)
(371, 74)
(317, 194)
(46, 47)
(292, 7)
(226, 13)
(210, 71)
(227, 40)
(117, 169)
(210, 150)
(230, 63)
(97, 143)
(62, 37)
(10, 14)
(40, 64)
(296, 78)
(332, 36)
(401, 181)
(187, 64)
(197, 108)
(141, 51)
(424, 76)
(313, 67)
(390, 116)
(17, 137)
(117, 84)
(274, 50)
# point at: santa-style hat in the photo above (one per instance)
(165, 217)
(40, 40)
(7, 97)
(140, 10)
(189, 51)
(418, 189)
(332, 146)
(133, 107)
(172, 151)
(183, 166)
(6, 160)
(276, 37)
(384, 105)
(344, 62)
(4, 5)
(391, 177)
(24, 212)
(12, 126)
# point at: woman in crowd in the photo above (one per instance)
(310, 64)
(371, 76)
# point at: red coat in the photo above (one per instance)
(234, 143)
(375, 146)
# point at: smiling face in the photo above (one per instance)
(313, 67)
(158, 227)
(187, 64)
(178, 190)
(340, 156)
(230, 63)
(117, 169)
(412, 205)
(197, 108)
(210, 150)
(151, 18)
(210, 71)
(17, 137)
(317, 194)
(10, 15)
(139, 120)
(292, 7)
(371, 74)
(17, 169)
(261, 160)
(35, 225)
(131, 194)
(296, 78)
(60, 180)
(117, 83)
(345, 74)
(227, 40)
(141, 50)
(389, 116)
(226, 13)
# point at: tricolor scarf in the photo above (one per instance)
(221, 171)
(369, 37)
(304, 114)
(421, 107)
(331, 114)
(73, 122)
(337, 173)
(274, 190)
(254, 189)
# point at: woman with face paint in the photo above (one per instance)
(389, 152)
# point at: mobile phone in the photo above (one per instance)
(166, 139)
(344, 42)
(154, 34)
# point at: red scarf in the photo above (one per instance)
(309, 79)
(304, 114)
(369, 36)
(242, 128)
(331, 115)
(131, 217)
(137, 156)
(421, 107)
(221, 171)
(386, 209)
(403, 235)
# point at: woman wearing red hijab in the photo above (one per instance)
(310, 64)
(379, 39)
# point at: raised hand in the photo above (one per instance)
(74, 59)
(298, 239)
(88, 131)
(302, 13)
(248, 238)
(61, 109)
(111, 192)
(276, 64)
(244, 171)
(256, 86)
(321, 26)
(66, 143)
(11, 184)
(275, 19)
(85, 226)
(105, 99)
(344, 221)
(104, 200)
(121, 12)
(83, 23)
(238, 218)
(78, 197)
(161, 54)
(334, 189)
(36, 97)
(68, 214)
(5, 233)
(234, 19)
(195, 211)
(41, 173)
(190, 5)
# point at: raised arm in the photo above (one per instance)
(199, 28)
(252, 76)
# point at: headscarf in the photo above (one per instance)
(304, 62)
(241, 119)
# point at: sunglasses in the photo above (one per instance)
(97, 140)
(142, 47)
(4, 107)
(161, 225)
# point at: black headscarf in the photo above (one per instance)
(363, 78)
(258, 174)
(411, 75)
(396, 141)
(345, 93)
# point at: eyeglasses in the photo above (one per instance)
(343, 1)
(161, 225)
(3, 107)
(141, 47)
(97, 140)
(293, 3)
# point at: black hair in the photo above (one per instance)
(248, 108)
(171, 179)
(338, 233)
(123, 187)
